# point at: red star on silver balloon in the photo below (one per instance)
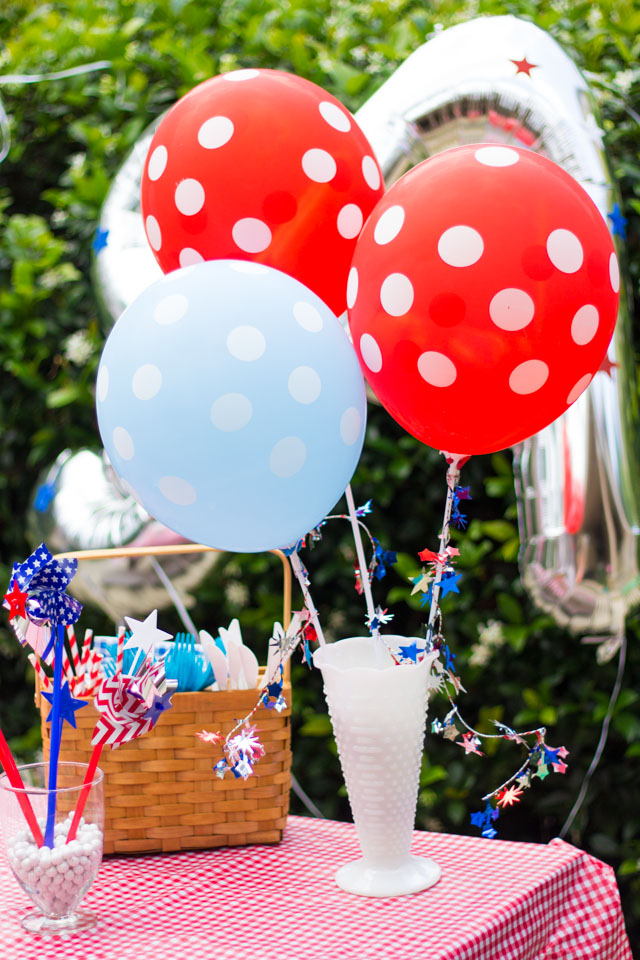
(524, 66)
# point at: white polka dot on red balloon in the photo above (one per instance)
(579, 388)
(584, 325)
(237, 76)
(565, 250)
(188, 257)
(319, 165)
(371, 353)
(350, 221)
(528, 377)
(437, 369)
(614, 273)
(215, 132)
(460, 246)
(251, 235)
(371, 172)
(352, 287)
(511, 309)
(389, 225)
(189, 197)
(157, 163)
(154, 234)
(177, 490)
(396, 294)
(334, 116)
(497, 156)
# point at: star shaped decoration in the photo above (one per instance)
(618, 222)
(421, 583)
(100, 240)
(428, 556)
(542, 771)
(462, 493)
(208, 737)
(524, 66)
(509, 796)
(478, 819)
(524, 779)
(17, 601)
(559, 766)
(470, 744)
(364, 509)
(451, 732)
(68, 705)
(449, 584)
(159, 704)
(607, 366)
(145, 633)
(409, 652)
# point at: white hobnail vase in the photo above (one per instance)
(379, 710)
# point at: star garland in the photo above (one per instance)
(436, 580)
(241, 747)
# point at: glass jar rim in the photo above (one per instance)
(5, 784)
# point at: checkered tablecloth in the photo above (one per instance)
(496, 901)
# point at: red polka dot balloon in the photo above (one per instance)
(482, 297)
(261, 165)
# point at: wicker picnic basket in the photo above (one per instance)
(161, 794)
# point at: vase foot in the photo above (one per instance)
(412, 876)
(37, 923)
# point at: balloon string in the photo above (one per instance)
(453, 476)
(298, 570)
(601, 743)
(362, 563)
(183, 613)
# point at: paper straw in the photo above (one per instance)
(120, 653)
(75, 653)
(45, 683)
(14, 778)
(86, 787)
(56, 733)
(296, 564)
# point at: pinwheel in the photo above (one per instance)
(37, 602)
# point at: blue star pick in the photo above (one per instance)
(68, 705)
(159, 705)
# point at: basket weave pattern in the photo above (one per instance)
(161, 794)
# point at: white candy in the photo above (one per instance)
(58, 878)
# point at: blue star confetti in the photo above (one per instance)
(100, 240)
(618, 222)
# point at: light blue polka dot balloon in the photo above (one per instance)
(231, 402)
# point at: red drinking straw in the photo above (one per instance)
(86, 787)
(14, 778)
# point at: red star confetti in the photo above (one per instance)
(208, 737)
(509, 796)
(524, 66)
(470, 744)
(428, 556)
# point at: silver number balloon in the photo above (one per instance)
(503, 80)
(80, 505)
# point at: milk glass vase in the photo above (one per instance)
(378, 710)
(56, 879)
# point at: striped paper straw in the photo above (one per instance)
(45, 683)
(120, 653)
(75, 653)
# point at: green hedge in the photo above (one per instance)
(69, 138)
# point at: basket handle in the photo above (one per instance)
(181, 548)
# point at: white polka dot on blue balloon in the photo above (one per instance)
(287, 457)
(102, 383)
(123, 443)
(177, 490)
(146, 381)
(350, 425)
(246, 343)
(308, 316)
(231, 411)
(304, 384)
(171, 309)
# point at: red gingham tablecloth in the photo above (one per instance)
(496, 901)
